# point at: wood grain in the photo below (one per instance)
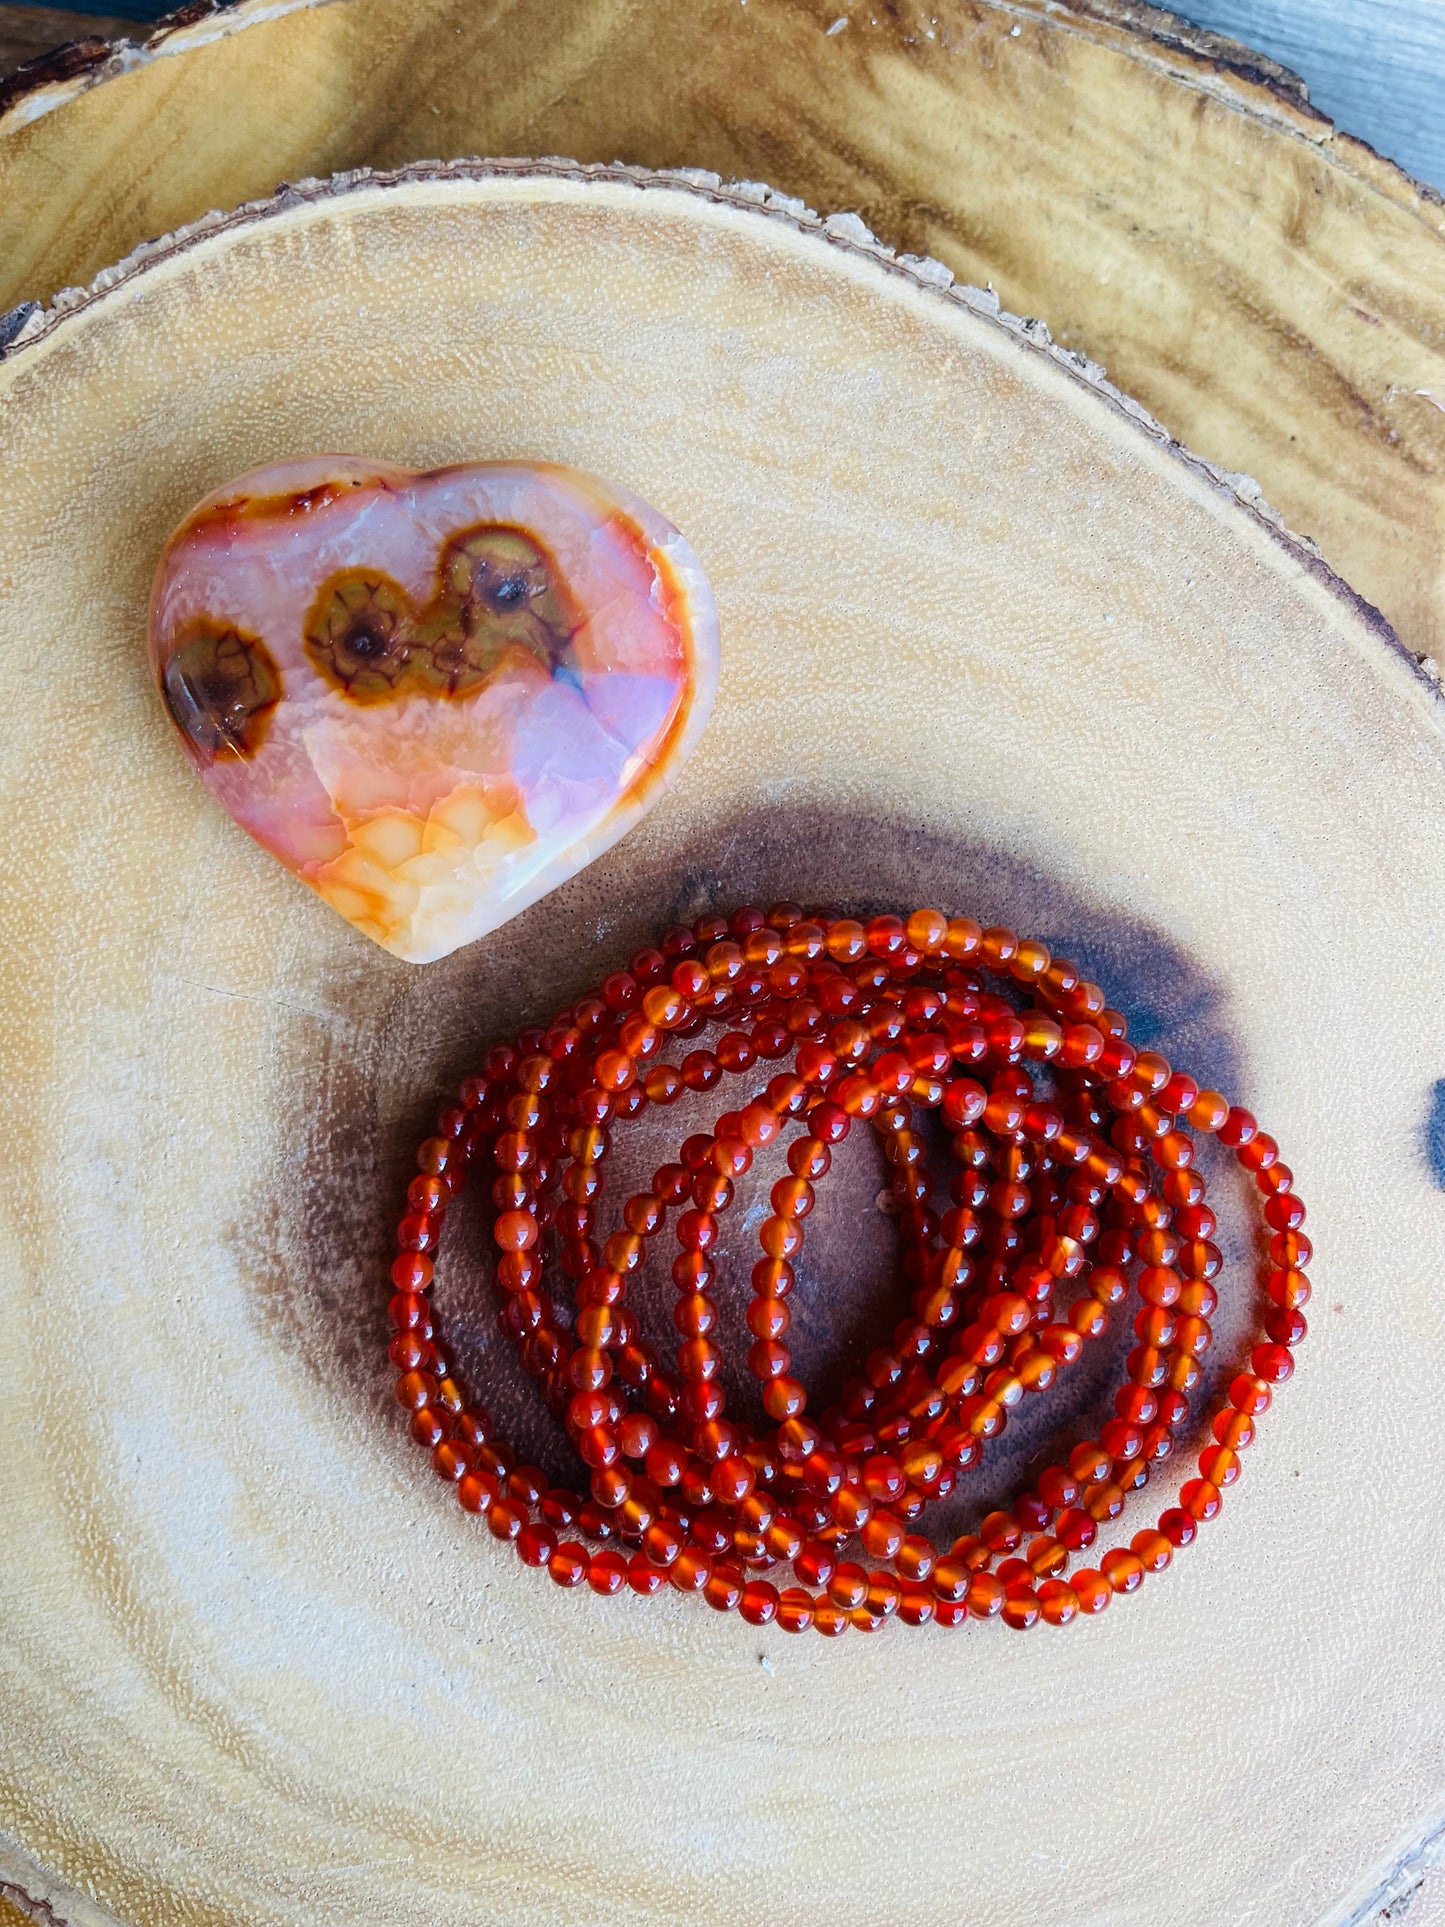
(988, 640)
(1374, 66)
(1267, 287)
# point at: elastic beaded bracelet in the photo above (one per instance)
(1074, 1189)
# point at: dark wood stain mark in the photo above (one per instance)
(363, 1111)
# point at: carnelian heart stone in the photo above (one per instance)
(434, 695)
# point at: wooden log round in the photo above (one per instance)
(991, 641)
(1166, 201)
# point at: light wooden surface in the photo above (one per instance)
(1376, 67)
(987, 640)
(1332, 362)
(1267, 287)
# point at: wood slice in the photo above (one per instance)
(990, 641)
(1165, 200)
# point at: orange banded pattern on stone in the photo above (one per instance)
(432, 695)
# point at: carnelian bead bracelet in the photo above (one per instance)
(1074, 1192)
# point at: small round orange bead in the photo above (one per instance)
(1075, 1183)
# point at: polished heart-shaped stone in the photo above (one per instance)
(433, 695)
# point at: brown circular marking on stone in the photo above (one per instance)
(497, 588)
(359, 635)
(220, 687)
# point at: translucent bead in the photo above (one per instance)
(1152, 1548)
(829, 1618)
(1057, 1193)
(796, 1610)
(1092, 1590)
(569, 1564)
(724, 1588)
(1021, 1607)
(1058, 1601)
(985, 1596)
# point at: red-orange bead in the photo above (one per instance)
(1208, 1111)
(724, 1588)
(883, 1534)
(691, 1570)
(1200, 1499)
(451, 1461)
(849, 1585)
(1058, 1601)
(784, 1539)
(951, 1579)
(476, 1490)
(1123, 1570)
(607, 1571)
(784, 1398)
(536, 1544)
(1020, 1606)
(963, 937)
(829, 1618)
(1177, 1526)
(815, 1563)
(758, 1604)
(884, 1594)
(1288, 1289)
(663, 1006)
(411, 1273)
(915, 1604)
(506, 1518)
(780, 1237)
(662, 1084)
(1055, 1199)
(1152, 1549)
(1104, 1501)
(795, 1609)
(1092, 1590)
(985, 1596)
(662, 1542)
(643, 1577)
(927, 931)
(1219, 1464)
(1249, 1393)
(1047, 1556)
(916, 1557)
(410, 1352)
(1273, 1363)
(1234, 1429)
(414, 1390)
(568, 1564)
(846, 941)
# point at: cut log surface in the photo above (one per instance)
(1166, 201)
(990, 640)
